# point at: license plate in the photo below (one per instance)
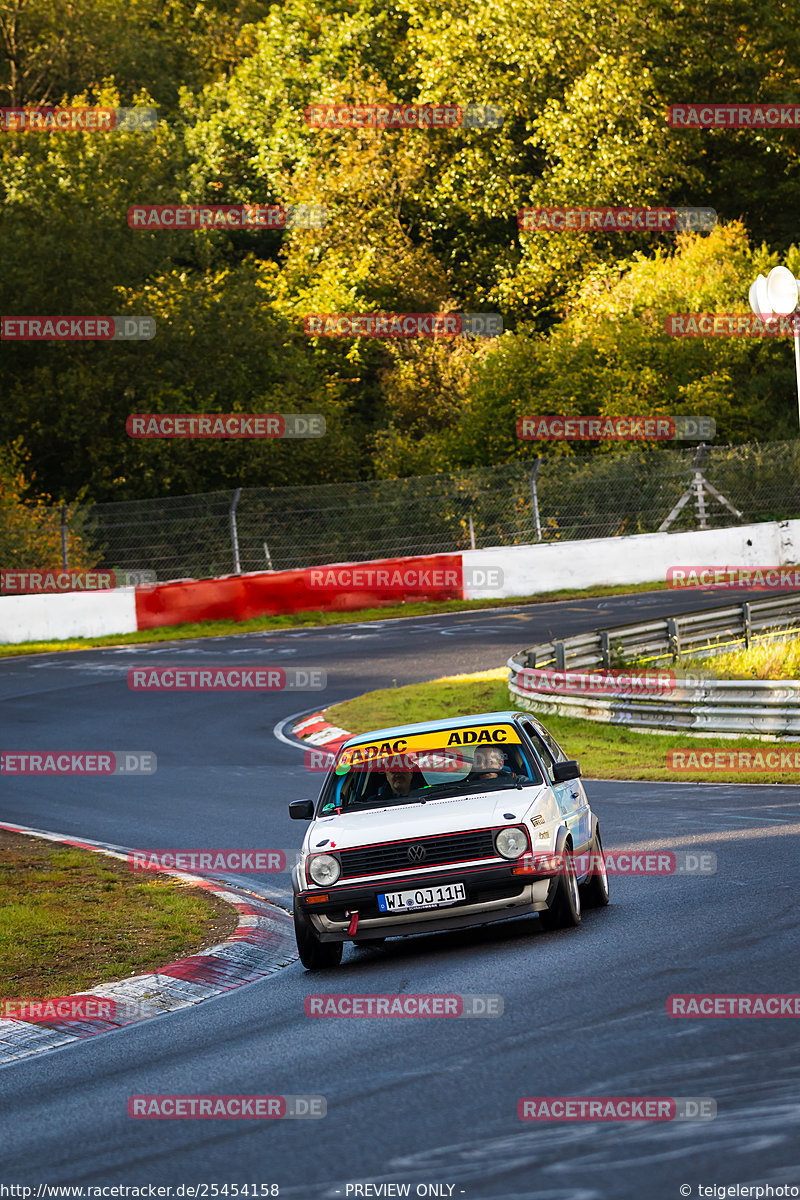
(433, 897)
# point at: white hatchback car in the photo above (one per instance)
(442, 825)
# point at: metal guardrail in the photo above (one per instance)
(731, 707)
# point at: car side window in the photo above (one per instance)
(541, 748)
(553, 746)
(521, 762)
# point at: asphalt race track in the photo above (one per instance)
(417, 1102)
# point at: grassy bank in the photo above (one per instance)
(772, 657)
(71, 919)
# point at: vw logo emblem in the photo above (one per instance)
(416, 853)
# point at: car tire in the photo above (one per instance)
(565, 910)
(594, 893)
(314, 954)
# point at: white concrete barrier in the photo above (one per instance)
(501, 571)
(640, 558)
(43, 618)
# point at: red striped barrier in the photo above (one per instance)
(338, 587)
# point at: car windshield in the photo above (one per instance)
(416, 768)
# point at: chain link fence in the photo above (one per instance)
(577, 496)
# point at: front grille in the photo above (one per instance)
(439, 851)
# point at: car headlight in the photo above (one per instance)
(324, 869)
(511, 842)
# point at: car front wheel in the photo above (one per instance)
(314, 954)
(565, 908)
(595, 890)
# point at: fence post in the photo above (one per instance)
(561, 657)
(237, 566)
(748, 626)
(471, 533)
(64, 546)
(605, 648)
(673, 638)
(700, 499)
(535, 498)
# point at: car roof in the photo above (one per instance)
(490, 718)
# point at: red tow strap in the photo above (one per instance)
(353, 926)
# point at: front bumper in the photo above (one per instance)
(492, 894)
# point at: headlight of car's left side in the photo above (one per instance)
(324, 869)
(511, 842)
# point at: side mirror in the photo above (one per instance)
(301, 810)
(564, 771)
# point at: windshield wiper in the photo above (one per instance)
(387, 802)
(470, 786)
(440, 789)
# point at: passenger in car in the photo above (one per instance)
(400, 783)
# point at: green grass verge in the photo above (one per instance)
(71, 919)
(176, 633)
(604, 751)
(774, 656)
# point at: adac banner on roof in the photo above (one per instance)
(440, 739)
